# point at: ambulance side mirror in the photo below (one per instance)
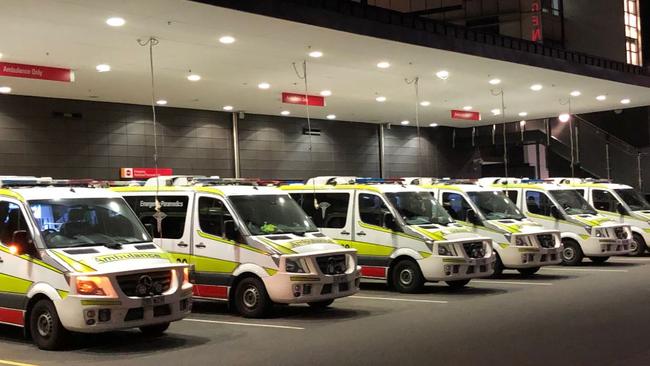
(150, 230)
(20, 242)
(620, 209)
(555, 213)
(230, 230)
(473, 218)
(389, 222)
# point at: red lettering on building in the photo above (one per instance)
(536, 21)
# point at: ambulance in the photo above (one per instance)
(401, 234)
(619, 202)
(249, 245)
(76, 259)
(585, 232)
(520, 243)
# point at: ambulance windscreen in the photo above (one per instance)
(272, 214)
(419, 208)
(495, 205)
(572, 202)
(633, 199)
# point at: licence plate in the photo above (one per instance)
(619, 241)
(338, 279)
(157, 300)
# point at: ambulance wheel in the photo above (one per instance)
(638, 245)
(45, 327)
(155, 330)
(457, 284)
(572, 253)
(498, 266)
(406, 276)
(528, 271)
(599, 260)
(251, 298)
(321, 304)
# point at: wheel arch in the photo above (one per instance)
(242, 272)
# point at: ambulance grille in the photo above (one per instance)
(474, 249)
(546, 240)
(145, 284)
(620, 232)
(332, 264)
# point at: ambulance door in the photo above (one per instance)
(331, 212)
(539, 206)
(457, 205)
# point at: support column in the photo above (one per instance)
(382, 151)
(235, 144)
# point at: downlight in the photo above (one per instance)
(564, 117)
(115, 21)
(227, 39)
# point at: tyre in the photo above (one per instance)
(46, 329)
(457, 284)
(572, 253)
(321, 304)
(251, 298)
(406, 276)
(638, 245)
(498, 266)
(155, 330)
(528, 271)
(599, 260)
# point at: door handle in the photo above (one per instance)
(200, 245)
(344, 232)
(361, 233)
(182, 245)
(1, 260)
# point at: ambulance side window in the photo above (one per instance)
(332, 211)
(538, 203)
(174, 207)
(372, 209)
(603, 200)
(212, 215)
(11, 220)
(456, 205)
(513, 195)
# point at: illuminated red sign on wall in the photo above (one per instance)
(536, 21)
(466, 115)
(312, 100)
(143, 173)
(36, 72)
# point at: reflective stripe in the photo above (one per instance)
(12, 194)
(207, 264)
(387, 231)
(230, 242)
(12, 317)
(76, 265)
(14, 285)
(369, 249)
(101, 302)
(28, 258)
(278, 247)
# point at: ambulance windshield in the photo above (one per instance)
(419, 208)
(633, 199)
(272, 214)
(572, 202)
(495, 205)
(80, 222)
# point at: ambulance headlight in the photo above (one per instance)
(588, 229)
(445, 250)
(94, 286)
(519, 241)
(186, 275)
(295, 265)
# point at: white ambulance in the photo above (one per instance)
(519, 243)
(77, 259)
(401, 233)
(619, 202)
(585, 233)
(250, 245)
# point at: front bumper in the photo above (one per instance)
(447, 268)
(605, 247)
(293, 288)
(529, 257)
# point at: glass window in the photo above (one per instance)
(11, 220)
(572, 202)
(495, 205)
(603, 200)
(513, 195)
(79, 222)
(174, 207)
(633, 199)
(272, 214)
(372, 209)
(332, 210)
(419, 208)
(538, 203)
(212, 215)
(632, 32)
(456, 205)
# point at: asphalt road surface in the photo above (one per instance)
(587, 315)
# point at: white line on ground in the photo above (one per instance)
(512, 283)
(582, 269)
(244, 324)
(630, 259)
(398, 299)
(14, 363)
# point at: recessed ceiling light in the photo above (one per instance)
(443, 74)
(467, 108)
(564, 117)
(383, 65)
(425, 103)
(523, 114)
(576, 93)
(331, 116)
(227, 39)
(326, 93)
(115, 21)
(193, 77)
(227, 108)
(380, 99)
(433, 125)
(285, 113)
(103, 68)
(315, 54)
(536, 87)
(5, 89)
(263, 85)
(0, 55)
(496, 111)
(625, 101)
(161, 102)
(495, 81)
(601, 97)
(405, 122)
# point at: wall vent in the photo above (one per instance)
(314, 131)
(67, 115)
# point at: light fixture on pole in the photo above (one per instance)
(566, 117)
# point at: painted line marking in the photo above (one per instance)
(513, 283)
(397, 299)
(630, 259)
(13, 363)
(583, 269)
(244, 324)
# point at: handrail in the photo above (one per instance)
(610, 137)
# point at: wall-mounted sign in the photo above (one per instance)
(312, 100)
(143, 173)
(466, 115)
(36, 72)
(536, 21)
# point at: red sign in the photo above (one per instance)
(470, 116)
(142, 173)
(536, 21)
(313, 100)
(36, 72)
